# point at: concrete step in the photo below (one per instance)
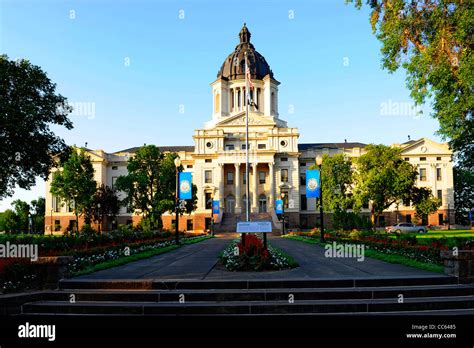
(149, 284)
(259, 295)
(256, 307)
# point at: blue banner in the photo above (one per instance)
(313, 183)
(279, 206)
(215, 207)
(185, 185)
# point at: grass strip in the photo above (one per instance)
(402, 260)
(135, 257)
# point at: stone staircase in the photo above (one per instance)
(229, 222)
(421, 295)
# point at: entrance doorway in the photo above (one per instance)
(262, 204)
(230, 204)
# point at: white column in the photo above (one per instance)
(271, 196)
(221, 185)
(255, 187)
(238, 196)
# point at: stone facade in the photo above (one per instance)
(277, 162)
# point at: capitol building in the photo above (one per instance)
(278, 162)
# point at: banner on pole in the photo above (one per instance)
(279, 206)
(215, 207)
(313, 183)
(185, 185)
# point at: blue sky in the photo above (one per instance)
(322, 51)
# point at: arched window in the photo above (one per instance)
(231, 96)
(238, 98)
(217, 103)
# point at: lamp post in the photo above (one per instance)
(177, 163)
(51, 226)
(99, 213)
(319, 162)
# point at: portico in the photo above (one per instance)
(232, 187)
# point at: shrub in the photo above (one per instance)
(348, 221)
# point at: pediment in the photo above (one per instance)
(426, 146)
(254, 120)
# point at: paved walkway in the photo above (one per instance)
(198, 261)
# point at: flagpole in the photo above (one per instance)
(247, 204)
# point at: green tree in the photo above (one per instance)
(424, 202)
(9, 221)
(22, 211)
(38, 207)
(75, 183)
(105, 204)
(383, 178)
(150, 184)
(337, 175)
(463, 194)
(29, 106)
(432, 40)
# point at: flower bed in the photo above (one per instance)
(405, 247)
(20, 274)
(254, 257)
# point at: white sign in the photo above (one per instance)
(254, 227)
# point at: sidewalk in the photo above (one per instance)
(197, 262)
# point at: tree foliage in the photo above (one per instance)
(150, 184)
(337, 181)
(424, 202)
(463, 194)
(105, 203)
(383, 178)
(432, 40)
(75, 183)
(29, 105)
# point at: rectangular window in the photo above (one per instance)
(243, 147)
(189, 166)
(408, 217)
(229, 147)
(208, 176)
(244, 179)
(284, 159)
(438, 174)
(438, 158)
(208, 160)
(56, 204)
(57, 225)
(440, 219)
(407, 159)
(189, 225)
(302, 179)
(114, 167)
(302, 164)
(284, 175)
(230, 178)
(422, 158)
(208, 199)
(304, 203)
(406, 202)
(422, 174)
(440, 196)
(262, 146)
(261, 177)
(114, 179)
